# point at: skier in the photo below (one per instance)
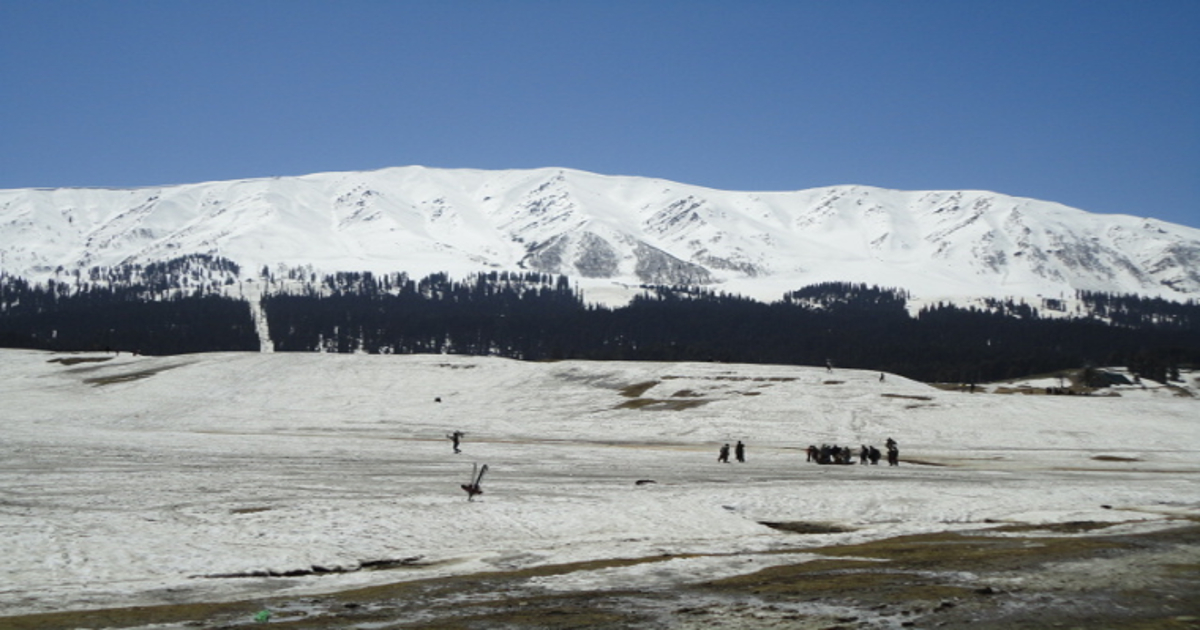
(455, 438)
(723, 456)
(475, 486)
(740, 452)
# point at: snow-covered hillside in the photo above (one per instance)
(608, 232)
(141, 480)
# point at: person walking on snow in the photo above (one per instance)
(723, 456)
(893, 452)
(455, 438)
(739, 451)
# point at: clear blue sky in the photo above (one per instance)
(1091, 103)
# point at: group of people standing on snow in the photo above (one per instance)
(828, 454)
(834, 454)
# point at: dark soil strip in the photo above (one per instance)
(77, 360)
(369, 565)
(803, 527)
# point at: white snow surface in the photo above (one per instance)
(609, 233)
(130, 480)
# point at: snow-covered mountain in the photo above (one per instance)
(607, 231)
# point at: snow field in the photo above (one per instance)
(138, 480)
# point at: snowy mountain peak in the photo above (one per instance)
(607, 230)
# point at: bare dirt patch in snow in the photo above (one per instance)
(637, 389)
(1115, 458)
(77, 360)
(655, 404)
(1065, 575)
(907, 396)
(126, 377)
(804, 527)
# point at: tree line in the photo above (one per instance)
(534, 316)
(538, 317)
(133, 318)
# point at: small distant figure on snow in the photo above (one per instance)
(456, 439)
(813, 453)
(828, 365)
(893, 452)
(864, 454)
(874, 454)
(723, 455)
(739, 451)
(881, 377)
(475, 487)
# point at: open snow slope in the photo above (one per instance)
(140, 480)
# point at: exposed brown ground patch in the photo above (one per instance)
(654, 404)
(127, 376)
(637, 389)
(77, 360)
(1012, 577)
(907, 396)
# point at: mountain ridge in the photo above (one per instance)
(608, 232)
